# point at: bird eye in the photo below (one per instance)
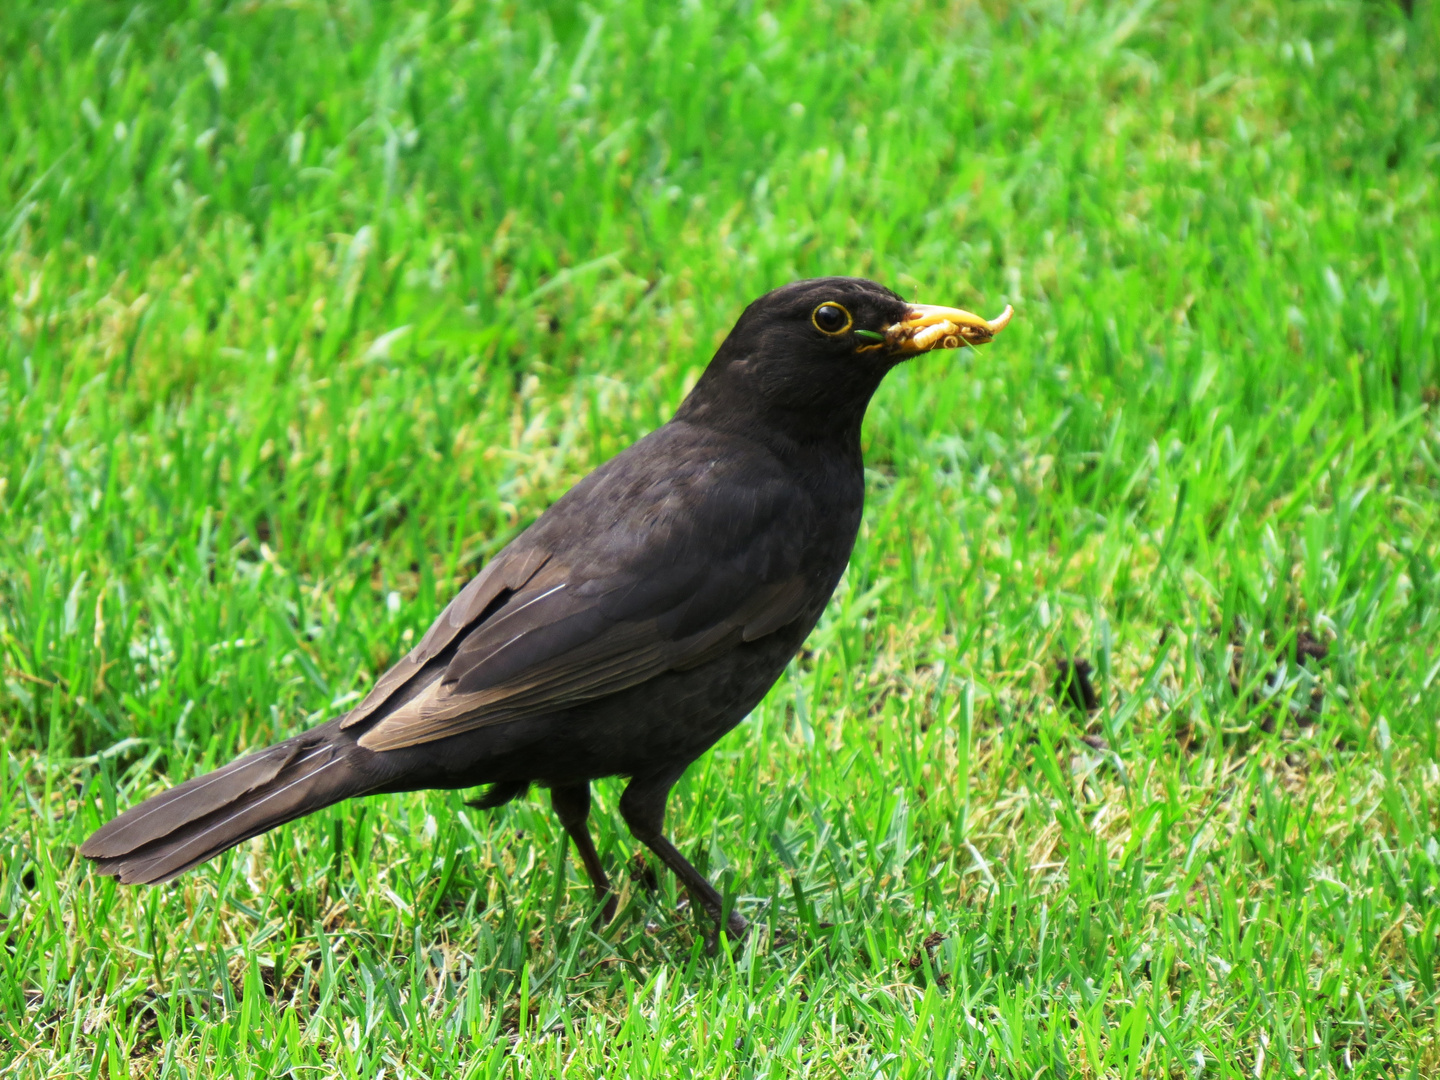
(831, 319)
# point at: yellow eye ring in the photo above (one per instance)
(826, 324)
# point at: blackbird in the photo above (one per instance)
(632, 625)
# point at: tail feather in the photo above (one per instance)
(164, 813)
(183, 827)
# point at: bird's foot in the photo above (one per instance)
(736, 927)
(606, 915)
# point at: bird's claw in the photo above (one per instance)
(606, 915)
(736, 927)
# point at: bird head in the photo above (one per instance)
(810, 354)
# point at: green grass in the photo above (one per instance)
(308, 307)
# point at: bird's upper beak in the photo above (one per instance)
(926, 327)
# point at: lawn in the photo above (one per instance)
(308, 307)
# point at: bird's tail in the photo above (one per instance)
(180, 828)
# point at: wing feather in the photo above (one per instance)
(509, 571)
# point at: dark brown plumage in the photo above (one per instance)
(634, 623)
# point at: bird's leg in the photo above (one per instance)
(572, 807)
(643, 808)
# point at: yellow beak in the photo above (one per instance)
(926, 327)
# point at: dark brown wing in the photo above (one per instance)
(659, 560)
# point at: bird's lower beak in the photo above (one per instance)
(926, 327)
